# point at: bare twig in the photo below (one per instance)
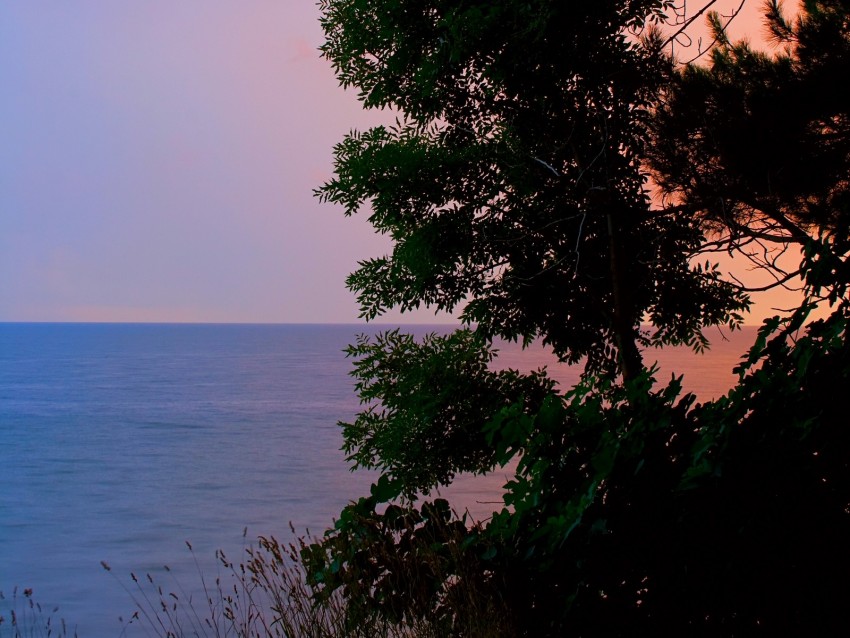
(730, 17)
(687, 23)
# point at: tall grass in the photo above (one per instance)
(267, 595)
(21, 616)
(263, 595)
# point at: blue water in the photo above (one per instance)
(118, 442)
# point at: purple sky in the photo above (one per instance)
(158, 159)
(157, 163)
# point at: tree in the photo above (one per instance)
(515, 186)
(756, 145)
(512, 183)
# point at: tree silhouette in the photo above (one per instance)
(517, 185)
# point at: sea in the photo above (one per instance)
(126, 443)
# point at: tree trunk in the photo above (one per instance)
(631, 362)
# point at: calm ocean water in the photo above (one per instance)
(119, 442)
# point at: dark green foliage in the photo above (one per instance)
(405, 565)
(512, 184)
(646, 516)
(514, 187)
(634, 512)
(425, 406)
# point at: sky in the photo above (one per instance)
(158, 159)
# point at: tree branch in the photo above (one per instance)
(688, 22)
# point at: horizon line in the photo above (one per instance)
(280, 323)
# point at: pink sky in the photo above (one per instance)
(158, 160)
